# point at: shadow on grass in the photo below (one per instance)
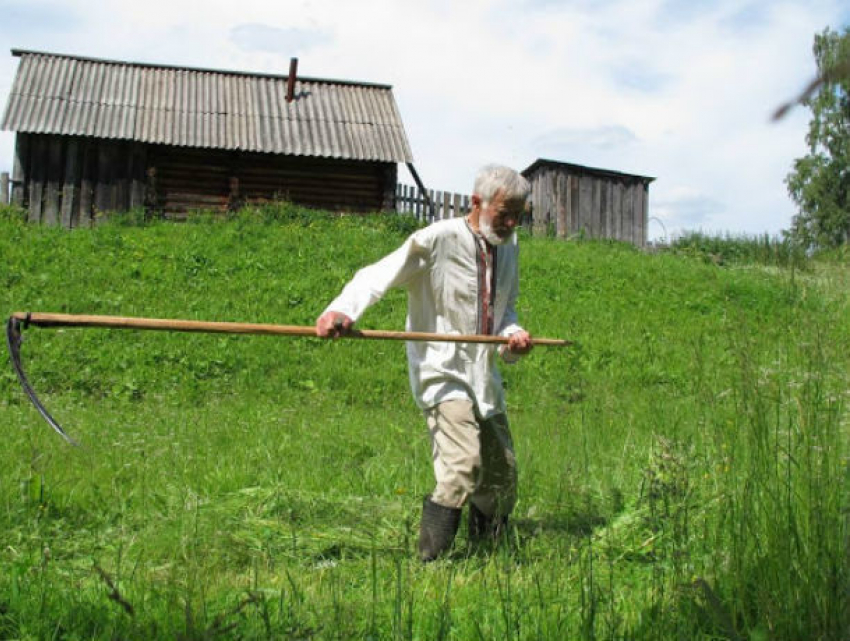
(573, 524)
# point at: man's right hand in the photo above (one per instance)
(333, 325)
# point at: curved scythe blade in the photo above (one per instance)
(14, 340)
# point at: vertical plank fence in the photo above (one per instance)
(446, 204)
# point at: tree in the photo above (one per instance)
(820, 181)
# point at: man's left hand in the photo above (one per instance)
(520, 342)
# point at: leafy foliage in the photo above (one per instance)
(820, 181)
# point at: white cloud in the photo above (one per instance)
(677, 89)
(287, 42)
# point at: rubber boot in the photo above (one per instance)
(437, 530)
(483, 528)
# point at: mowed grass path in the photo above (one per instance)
(682, 468)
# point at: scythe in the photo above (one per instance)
(22, 320)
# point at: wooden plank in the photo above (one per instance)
(598, 227)
(615, 232)
(121, 176)
(617, 208)
(137, 175)
(88, 162)
(103, 179)
(535, 200)
(635, 214)
(575, 224)
(552, 207)
(562, 200)
(628, 214)
(539, 212)
(399, 198)
(408, 198)
(190, 198)
(219, 183)
(640, 213)
(153, 197)
(52, 191)
(587, 183)
(637, 194)
(252, 173)
(409, 207)
(538, 222)
(38, 171)
(541, 208)
(389, 179)
(70, 189)
(4, 188)
(20, 169)
(604, 230)
(585, 203)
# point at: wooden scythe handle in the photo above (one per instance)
(172, 325)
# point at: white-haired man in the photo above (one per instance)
(462, 278)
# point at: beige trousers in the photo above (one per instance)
(473, 459)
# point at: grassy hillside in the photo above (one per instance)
(683, 469)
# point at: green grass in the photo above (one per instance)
(683, 469)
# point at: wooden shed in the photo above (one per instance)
(569, 199)
(103, 135)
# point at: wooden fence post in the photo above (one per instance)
(430, 205)
(4, 188)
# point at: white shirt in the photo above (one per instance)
(443, 270)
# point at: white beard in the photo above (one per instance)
(489, 235)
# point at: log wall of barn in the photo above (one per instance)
(187, 179)
(71, 181)
(568, 203)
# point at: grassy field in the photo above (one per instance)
(683, 469)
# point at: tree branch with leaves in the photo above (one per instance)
(820, 181)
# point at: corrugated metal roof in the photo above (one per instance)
(581, 169)
(161, 104)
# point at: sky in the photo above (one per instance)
(679, 90)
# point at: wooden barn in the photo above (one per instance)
(103, 135)
(569, 199)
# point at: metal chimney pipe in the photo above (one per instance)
(290, 80)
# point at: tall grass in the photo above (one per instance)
(683, 468)
(764, 249)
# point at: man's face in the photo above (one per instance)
(499, 217)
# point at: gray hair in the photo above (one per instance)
(492, 179)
